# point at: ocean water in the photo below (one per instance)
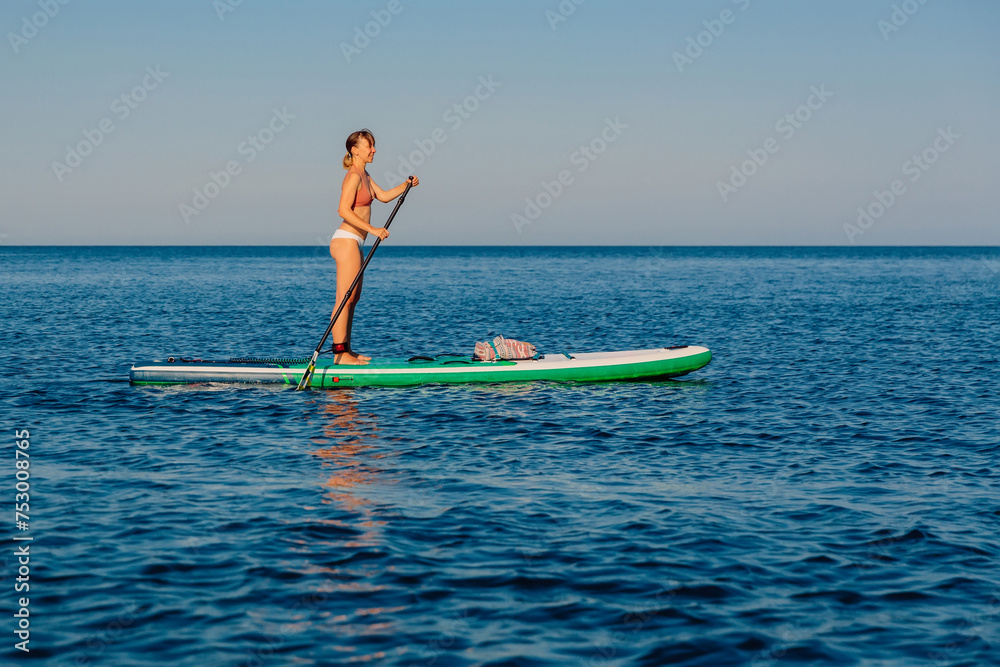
(826, 492)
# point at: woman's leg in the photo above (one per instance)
(348, 257)
(355, 298)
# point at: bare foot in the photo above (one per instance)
(363, 357)
(349, 359)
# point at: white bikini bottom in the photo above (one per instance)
(344, 234)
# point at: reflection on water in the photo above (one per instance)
(346, 453)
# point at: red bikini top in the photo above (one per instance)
(364, 196)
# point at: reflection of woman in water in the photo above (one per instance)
(357, 193)
(344, 432)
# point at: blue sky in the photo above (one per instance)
(667, 122)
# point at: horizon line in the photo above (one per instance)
(285, 245)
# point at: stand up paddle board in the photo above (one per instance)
(664, 362)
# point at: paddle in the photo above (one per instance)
(304, 382)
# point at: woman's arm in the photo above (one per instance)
(389, 195)
(347, 196)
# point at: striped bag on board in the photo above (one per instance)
(504, 348)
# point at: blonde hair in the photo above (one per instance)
(353, 140)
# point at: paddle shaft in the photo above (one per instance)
(304, 382)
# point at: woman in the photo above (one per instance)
(356, 196)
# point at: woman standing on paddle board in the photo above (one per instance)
(356, 195)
